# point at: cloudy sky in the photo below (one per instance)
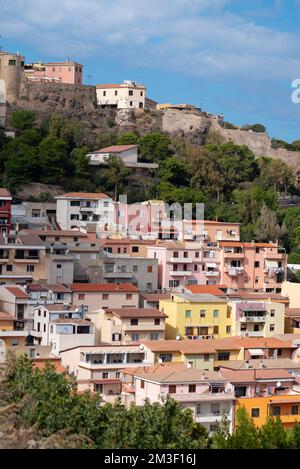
(236, 57)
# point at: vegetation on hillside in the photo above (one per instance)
(233, 184)
(48, 404)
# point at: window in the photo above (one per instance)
(294, 410)
(105, 296)
(130, 103)
(39, 312)
(197, 254)
(116, 92)
(73, 216)
(228, 329)
(202, 313)
(104, 93)
(172, 389)
(157, 322)
(141, 93)
(222, 356)
(9, 268)
(128, 296)
(216, 313)
(254, 412)
(45, 314)
(165, 357)
(188, 313)
(192, 387)
(135, 337)
(276, 410)
(134, 322)
(130, 93)
(256, 264)
(135, 268)
(216, 330)
(105, 375)
(30, 268)
(59, 296)
(75, 203)
(206, 357)
(272, 327)
(81, 296)
(279, 352)
(213, 427)
(272, 313)
(58, 266)
(215, 408)
(11, 62)
(149, 286)
(149, 269)
(44, 327)
(185, 254)
(142, 384)
(175, 254)
(135, 249)
(51, 329)
(153, 335)
(118, 374)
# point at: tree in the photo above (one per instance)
(173, 171)
(21, 164)
(21, 120)
(114, 175)
(277, 174)
(81, 162)
(255, 128)
(266, 226)
(246, 435)
(272, 435)
(128, 138)
(155, 147)
(54, 160)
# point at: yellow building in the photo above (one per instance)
(196, 316)
(6, 322)
(287, 407)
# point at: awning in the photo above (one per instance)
(256, 351)
(211, 265)
(271, 264)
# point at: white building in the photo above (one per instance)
(62, 326)
(79, 209)
(128, 154)
(128, 95)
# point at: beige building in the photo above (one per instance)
(292, 290)
(105, 295)
(128, 95)
(125, 325)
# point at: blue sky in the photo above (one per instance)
(236, 57)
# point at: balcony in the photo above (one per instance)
(234, 255)
(253, 319)
(212, 273)
(252, 333)
(180, 273)
(218, 396)
(144, 327)
(126, 275)
(27, 259)
(234, 271)
(211, 417)
(275, 255)
(181, 260)
(195, 337)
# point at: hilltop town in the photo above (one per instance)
(130, 297)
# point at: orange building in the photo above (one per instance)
(287, 407)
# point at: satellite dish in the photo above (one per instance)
(278, 384)
(141, 347)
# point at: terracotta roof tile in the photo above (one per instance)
(115, 149)
(17, 292)
(104, 287)
(136, 312)
(84, 195)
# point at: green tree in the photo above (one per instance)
(272, 435)
(21, 120)
(155, 147)
(54, 161)
(128, 138)
(114, 175)
(81, 162)
(267, 227)
(277, 174)
(21, 164)
(173, 171)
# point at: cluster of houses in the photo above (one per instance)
(137, 304)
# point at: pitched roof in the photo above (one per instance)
(83, 195)
(80, 322)
(293, 312)
(36, 287)
(115, 149)
(61, 307)
(152, 297)
(17, 292)
(136, 312)
(261, 342)
(166, 374)
(62, 233)
(59, 288)
(205, 289)
(4, 192)
(248, 245)
(30, 239)
(266, 363)
(104, 287)
(183, 346)
(244, 376)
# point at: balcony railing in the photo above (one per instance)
(205, 396)
(253, 319)
(252, 334)
(212, 273)
(180, 273)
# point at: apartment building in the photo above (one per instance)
(15, 301)
(284, 406)
(5, 211)
(105, 296)
(140, 271)
(151, 300)
(254, 266)
(99, 368)
(127, 153)
(22, 259)
(187, 263)
(76, 210)
(126, 325)
(67, 72)
(195, 316)
(210, 231)
(253, 318)
(62, 326)
(131, 247)
(208, 395)
(128, 95)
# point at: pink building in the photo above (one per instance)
(186, 263)
(62, 72)
(253, 266)
(105, 296)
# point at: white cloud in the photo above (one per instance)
(196, 37)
